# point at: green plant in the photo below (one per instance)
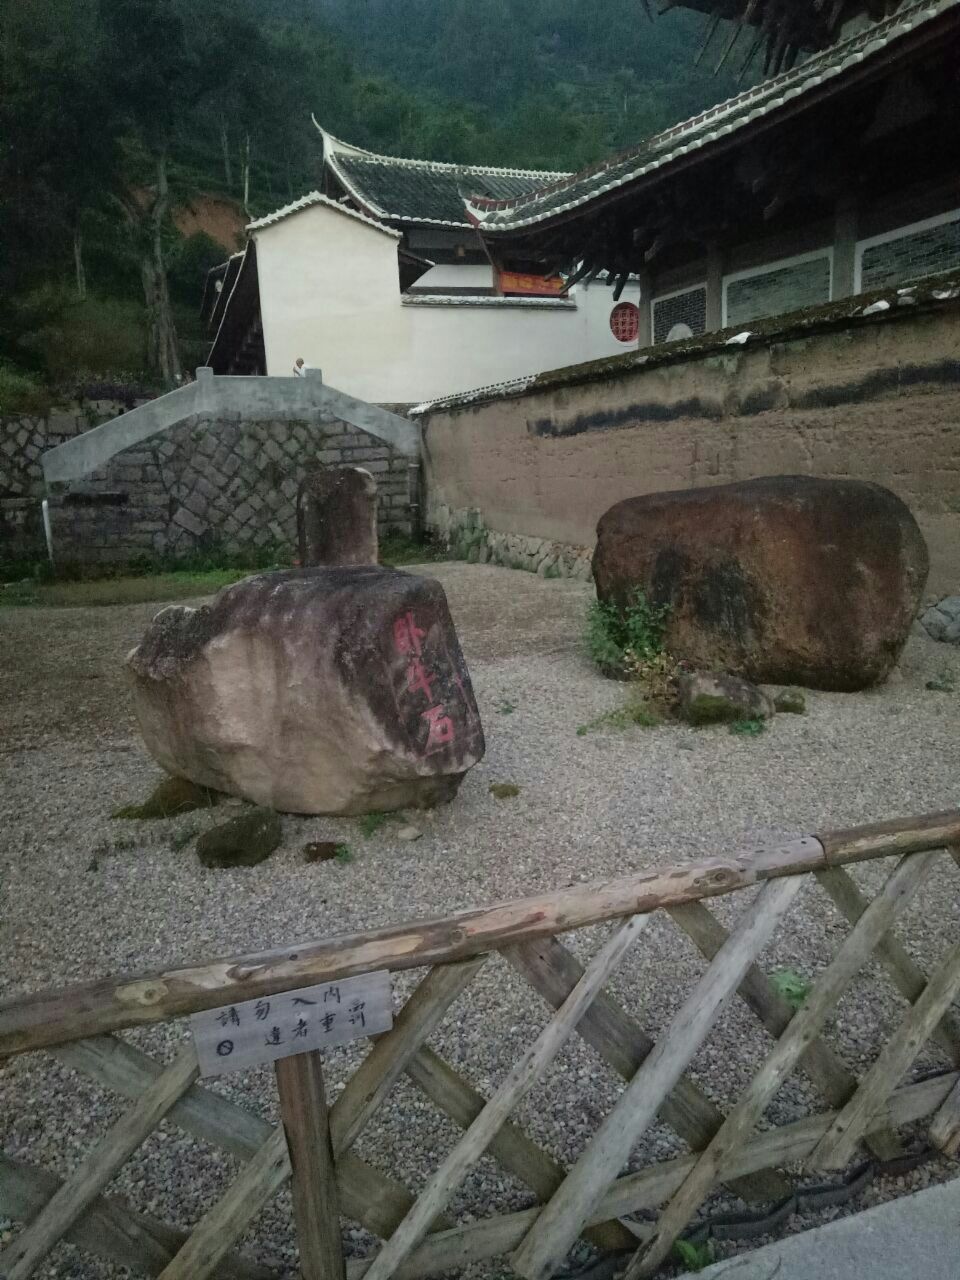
(634, 630)
(370, 823)
(343, 854)
(504, 707)
(793, 986)
(751, 728)
(695, 1257)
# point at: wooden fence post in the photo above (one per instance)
(316, 1209)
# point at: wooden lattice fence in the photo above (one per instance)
(639, 1213)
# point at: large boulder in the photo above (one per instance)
(337, 517)
(782, 580)
(312, 691)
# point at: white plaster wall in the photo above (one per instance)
(329, 291)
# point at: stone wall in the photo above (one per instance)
(523, 475)
(23, 439)
(203, 485)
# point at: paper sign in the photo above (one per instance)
(243, 1035)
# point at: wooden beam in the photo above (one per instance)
(907, 975)
(376, 1200)
(787, 1144)
(73, 1013)
(511, 1147)
(553, 972)
(22, 1257)
(109, 1228)
(820, 1063)
(806, 1025)
(316, 1211)
(214, 1235)
(945, 1128)
(837, 1146)
(517, 1084)
(545, 1247)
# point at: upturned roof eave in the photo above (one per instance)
(813, 87)
(333, 147)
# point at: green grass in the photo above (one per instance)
(695, 1257)
(749, 728)
(370, 823)
(635, 712)
(179, 585)
(343, 854)
(399, 549)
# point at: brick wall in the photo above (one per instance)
(204, 484)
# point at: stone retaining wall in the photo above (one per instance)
(204, 485)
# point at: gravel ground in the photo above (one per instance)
(86, 896)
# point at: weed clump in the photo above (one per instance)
(633, 633)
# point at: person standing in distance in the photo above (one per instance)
(299, 368)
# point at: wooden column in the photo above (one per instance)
(645, 329)
(316, 1208)
(715, 267)
(844, 247)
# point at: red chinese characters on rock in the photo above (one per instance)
(407, 638)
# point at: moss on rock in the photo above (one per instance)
(171, 797)
(243, 841)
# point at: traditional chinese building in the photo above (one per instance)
(380, 278)
(834, 176)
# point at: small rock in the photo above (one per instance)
(409, 833)
(170, 797)
(791, 702)
(504, 790)
(721, 699)
(320, 851)
(243, 841)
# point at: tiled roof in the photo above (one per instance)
(312, 198)
(406, 191)
(719, 122)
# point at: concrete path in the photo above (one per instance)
(914, 1238)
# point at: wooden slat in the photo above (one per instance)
(358, 1101)
(22, 1257)
(217, 1231)
(821, 1064)
(549, 1241)
(369, 1085)
(945, 1127)
(75, 1013)
(54, 1017)
(449, 1251)
(457, 1098)
(907, 975)
(109, 1228)
(807, 1023)
(839, 1143)
(553, 971)
(518, 1082)
(367, 1195)
(316, 1211)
